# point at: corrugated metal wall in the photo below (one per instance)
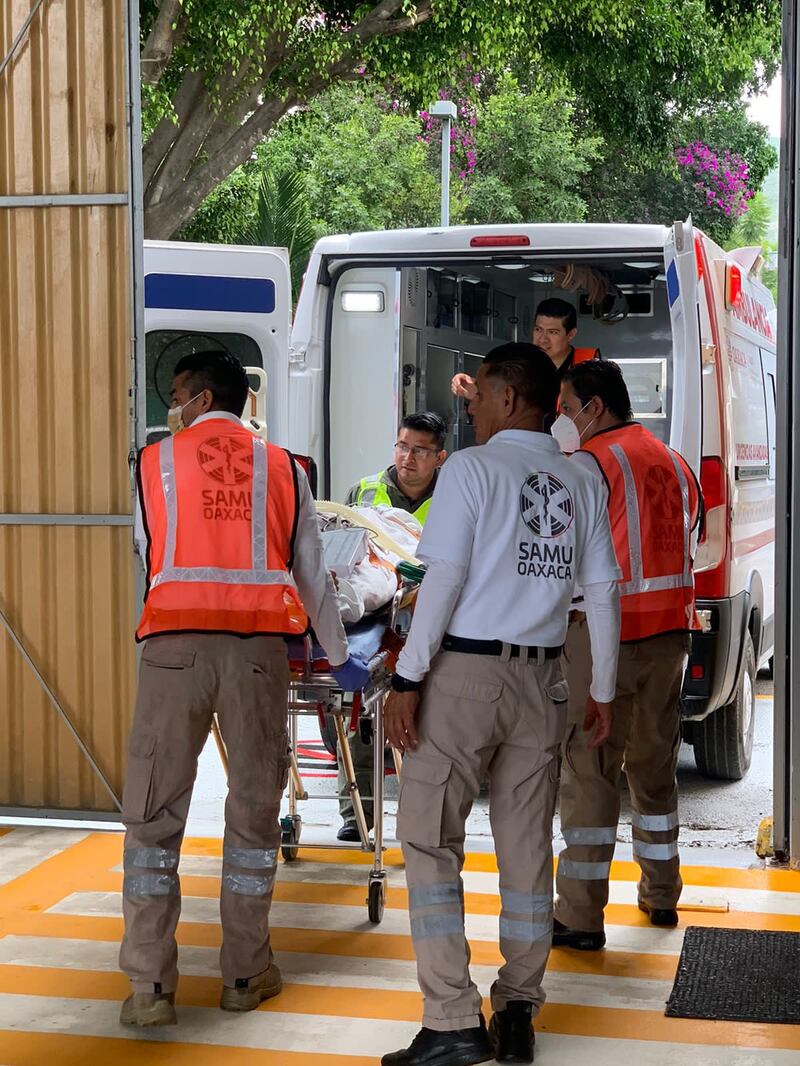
(65, 350)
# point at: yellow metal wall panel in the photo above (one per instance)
(65, 351)
(69, 594)
(62, 98)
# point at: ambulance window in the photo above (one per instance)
(163, 349)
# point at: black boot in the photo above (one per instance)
(513, 1032)
(574, 938)
(460, 1047)
(667, 917)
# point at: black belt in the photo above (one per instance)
(495, 647)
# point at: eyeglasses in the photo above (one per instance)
(418, 452)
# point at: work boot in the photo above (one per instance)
(513, 1032)
(460, 1047)
(149, 1008)
(248, 993)
(349, 832)
(662, 916)
(575, 938)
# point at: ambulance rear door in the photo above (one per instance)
(680, 263)
(200, 297)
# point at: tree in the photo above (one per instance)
(284, 219)
(218, 75)
(530, 157)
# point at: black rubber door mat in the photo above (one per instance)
(738, 975)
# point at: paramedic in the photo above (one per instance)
(554, 329)
(228, 529)
(478, 690)
(409, 484)
(654, 505)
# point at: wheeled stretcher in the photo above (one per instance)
(314, 692)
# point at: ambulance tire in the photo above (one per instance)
(723, 742)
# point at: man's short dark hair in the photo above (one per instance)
(601, 378)
(555, 308)
(529, 371)
(219, 372)
(427, 422)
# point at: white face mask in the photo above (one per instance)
(175, 415)
(566, 433)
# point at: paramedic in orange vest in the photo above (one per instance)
(654, 506)
(228, 530)
(554, 330)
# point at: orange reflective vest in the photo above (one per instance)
(654, 503)
(584, 355)
(220, 512)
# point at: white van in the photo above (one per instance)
(385, 319)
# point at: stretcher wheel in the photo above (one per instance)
(291, 828)
(376, 901)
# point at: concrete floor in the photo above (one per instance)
(719, 819)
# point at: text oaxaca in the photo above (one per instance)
(233, 505)
(545, 560)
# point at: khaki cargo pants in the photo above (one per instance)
(482, 715)
(182, 680)
(645, 739)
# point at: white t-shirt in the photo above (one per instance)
(521, 526)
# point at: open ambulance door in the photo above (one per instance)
(680, 264)
(200, 297)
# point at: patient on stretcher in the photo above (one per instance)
(371, 582)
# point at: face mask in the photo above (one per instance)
(175, 415)
(567, 434)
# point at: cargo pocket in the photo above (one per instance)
(139, 778)
(420, 812)
(466, 687)
(166, 657)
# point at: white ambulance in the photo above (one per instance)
(385, 319)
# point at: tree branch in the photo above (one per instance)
(381, 23)
(161, 41)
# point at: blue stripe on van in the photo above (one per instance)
(201, 292)
(673, 288)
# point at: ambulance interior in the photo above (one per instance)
(399, 334)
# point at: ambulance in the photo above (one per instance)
(385, 319)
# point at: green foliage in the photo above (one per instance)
(631, 186)
(753, 227)
(219, 75)
(530, 157)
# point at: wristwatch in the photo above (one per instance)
(402, 684)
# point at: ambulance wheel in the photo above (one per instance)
(291, 829)
(723, 742)
(376, 901)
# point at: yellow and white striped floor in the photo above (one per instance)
(350, 992)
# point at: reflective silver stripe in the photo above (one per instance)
(656, 584)
(217, 574)
(258, 520)
(525, 902)
(657, 852)
(166, 459)
(150, 858)
(251, 858)
(638, 582)
(584, 871)
(655, 823)
(434, 895)
(151, 885)
(248, 884)
(526, 932)
(631, 517)
(687, 518)
(604, 834)
(431, 926)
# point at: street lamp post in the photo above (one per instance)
(446, 111)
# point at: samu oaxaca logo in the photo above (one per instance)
(546, 506)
